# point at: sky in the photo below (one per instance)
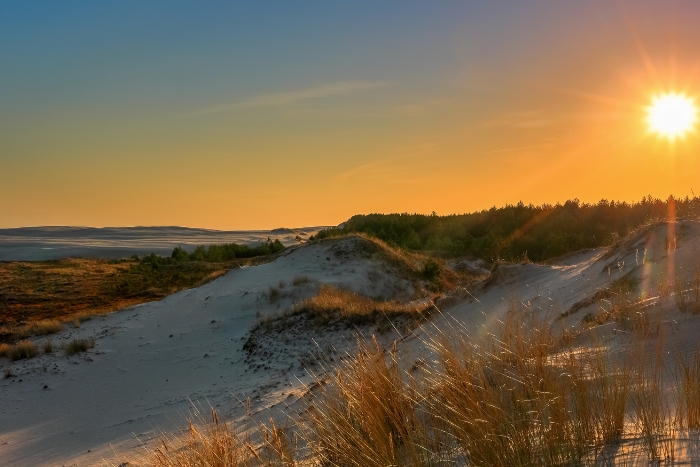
(256, 115)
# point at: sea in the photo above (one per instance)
(52, 243)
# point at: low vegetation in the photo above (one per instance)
(40, 328)
(332, 305)
(79, 345)
(37, 298)
(227, 252)
(517, 232)
(515, 396)
(19, 351)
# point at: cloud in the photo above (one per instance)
(276, 99)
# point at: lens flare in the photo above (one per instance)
(671, 115)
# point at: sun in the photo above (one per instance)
(671, 115)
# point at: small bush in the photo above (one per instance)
(48, 346)
(79, 345)
(22, 350)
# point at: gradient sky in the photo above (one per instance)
(243, 115)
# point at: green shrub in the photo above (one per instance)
(224, 252)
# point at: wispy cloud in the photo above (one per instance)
(276, 99)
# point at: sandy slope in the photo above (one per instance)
(152, 362)
(139, 379)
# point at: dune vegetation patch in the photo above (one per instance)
(37, 297)
(21, 350)
(79, 345)
(516, 395)
(332, 304)
(40, 328)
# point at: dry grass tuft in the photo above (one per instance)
(21, 350)
(369, 415)
(216, 444)
(332, 304)
(211, 445)
(79, 345)
(301, 279)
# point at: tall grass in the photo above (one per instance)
(515, 396)
(216, 444)
(19, 351)
(40, 328)
(369, 415)
(211, 445)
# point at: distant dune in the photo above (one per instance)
(48, 243)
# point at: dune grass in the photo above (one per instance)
(214, 443)
(22, 350)
(332, 305)
(513, 396)
(79, 345)
(40, 328)
(300, 280)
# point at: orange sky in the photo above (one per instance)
(238, 117)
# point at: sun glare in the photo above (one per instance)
(672, 115)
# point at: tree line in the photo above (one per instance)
(518, 232)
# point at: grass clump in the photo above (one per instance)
(5, 350)
(300, 280)
(79, 345)
(509, 397)
(211, 445)
(332, 304)
(48, 346)
(216, 444)
(21, 350)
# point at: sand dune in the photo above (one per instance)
(153, 363)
